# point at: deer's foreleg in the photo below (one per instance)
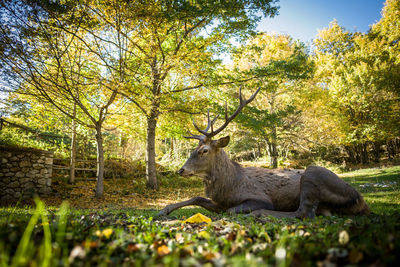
(196, 201)
(251, 205)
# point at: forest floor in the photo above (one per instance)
(122, 230)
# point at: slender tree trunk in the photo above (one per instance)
(272, 145)
(151, 153)
(377, 150)
(258, 149)
(100, 163)
(350, 153)
(73, 149)
(171, 151)
(274, 151)
(364, 153)
(391, 149)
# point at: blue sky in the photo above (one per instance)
(302, 18)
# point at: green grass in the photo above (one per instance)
(61, 236)
(380, 188)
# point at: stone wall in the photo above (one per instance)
(24, 172)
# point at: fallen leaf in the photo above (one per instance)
(198, 218)
(355, 256)
(171, 223)
(280, 253)
(259, 247)
(163, 250)
(343, 237)
(231, 236)
(107, 232)
(179, 238)
(208, 255)
(98, 233)
(77, 251)
(226, 230)
(204, 235)
(186, 251)
(132, 248)
(90, 244)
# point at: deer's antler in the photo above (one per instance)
(210, 123)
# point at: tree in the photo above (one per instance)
(276, 64)
(45, 59)
(144, 51)
(176, 41)
(351, 66)
(382, 44)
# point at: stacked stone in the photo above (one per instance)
(24, 172)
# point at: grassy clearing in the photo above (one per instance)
(61, 236)
(379, 186)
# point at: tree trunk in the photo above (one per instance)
(73, 149)
(100, 163)
(274, 151)
(350, 153)
(151, 174)
(272, 146)
(171, 151)
(365, 154)
(377, 150)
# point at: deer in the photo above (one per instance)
(281, 193)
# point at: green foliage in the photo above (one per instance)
(16, 137)
(277, 65)
(354, 68)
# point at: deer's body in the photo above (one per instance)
(276, 192)
(229, 184)
(280, 193)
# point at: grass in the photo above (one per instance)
(118, 236)
(379, 186)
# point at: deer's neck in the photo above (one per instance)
(223, 178)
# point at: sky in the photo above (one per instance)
(301, 19)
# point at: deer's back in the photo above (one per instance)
(281, 185)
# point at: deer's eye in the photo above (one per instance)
(203, 151)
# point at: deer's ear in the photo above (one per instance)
(222, 142)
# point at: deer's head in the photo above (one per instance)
(206, 152)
